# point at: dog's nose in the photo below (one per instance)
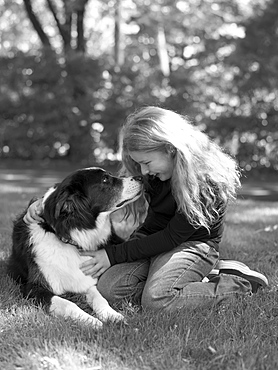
(138, 178)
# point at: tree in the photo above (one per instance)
(100, 60)
(253, 117)
(118, 35)
(68, 16)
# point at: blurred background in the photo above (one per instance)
(72, 70)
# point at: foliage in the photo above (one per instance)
(46, 108)
(253, 120)
(68, 90)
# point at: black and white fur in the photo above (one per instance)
(45, 256)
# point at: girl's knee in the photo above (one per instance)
(119, 290)
(123, 282)
(105, 289)
(156, 298)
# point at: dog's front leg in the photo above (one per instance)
(101, 307)
(62, 307)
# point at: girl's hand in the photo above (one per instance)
(33, 213)
(96, 265)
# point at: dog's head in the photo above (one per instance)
(87, 196)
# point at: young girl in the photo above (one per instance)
(189, 183)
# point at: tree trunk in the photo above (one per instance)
(119, 51)
(36, 24)
(162, 51)
(81, 44)
(64, 29)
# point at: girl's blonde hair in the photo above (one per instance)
(204, 178)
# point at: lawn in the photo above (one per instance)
(240, 334)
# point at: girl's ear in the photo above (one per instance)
(171, 150)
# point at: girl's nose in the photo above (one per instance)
(144, 169)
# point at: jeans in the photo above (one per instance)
(172, 280)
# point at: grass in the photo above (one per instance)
(239, 334)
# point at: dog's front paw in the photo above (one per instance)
(110, 315)
(95, 323)
(116, 317)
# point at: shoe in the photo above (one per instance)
(210, 276)
(256, 279)
(213, 274)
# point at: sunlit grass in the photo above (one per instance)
(239, 334)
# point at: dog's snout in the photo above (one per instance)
(138, 178)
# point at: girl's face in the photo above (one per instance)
(154, 163)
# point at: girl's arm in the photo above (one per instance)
(176, 232)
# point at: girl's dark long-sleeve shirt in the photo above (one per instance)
(165, 228)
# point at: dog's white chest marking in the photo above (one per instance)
(87, 238)
(59, 263)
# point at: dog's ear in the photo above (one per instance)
(66, 204)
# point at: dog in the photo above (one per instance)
(45, 256)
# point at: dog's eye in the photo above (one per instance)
(105, 179)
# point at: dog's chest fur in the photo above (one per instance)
(59, 262)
